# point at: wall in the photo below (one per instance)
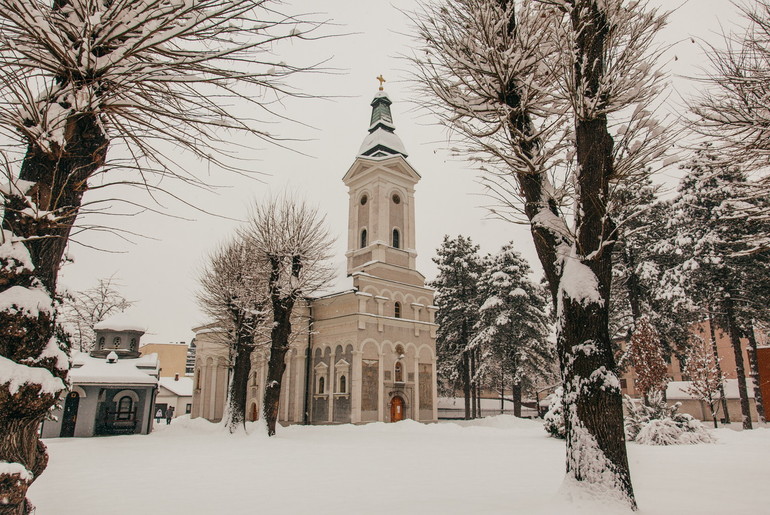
(172, 357)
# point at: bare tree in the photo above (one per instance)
(533, 90)
(76, 76)
(291, 238)
(645, 354)
(706, 377)
(233, 294)
(82, 310)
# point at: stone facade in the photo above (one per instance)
(367, 353)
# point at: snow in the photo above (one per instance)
(579, 283)
(182, 387)
(125, 321)
(385, 138)
(16, 375)
(31, 301)
(11, 468)
(492, 466)
(678, 389)
(89, 370)
(11, 248)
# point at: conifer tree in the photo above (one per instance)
(514, 323)
(457, 288)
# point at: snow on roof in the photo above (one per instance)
(676, 390)
(385, 138)
(90, 370)
(125, 321)
(182, 387)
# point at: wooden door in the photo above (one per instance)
(254, 413)
(70, 415)
(396, 409)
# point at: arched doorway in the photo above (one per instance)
(254, 414)
(397, 409)
(70, 415)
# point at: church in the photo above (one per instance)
(370, 350)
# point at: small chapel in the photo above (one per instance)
(370, 350)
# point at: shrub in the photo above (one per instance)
(553, 422)
(661, 424)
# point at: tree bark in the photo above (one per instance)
(715, 350)
(466, 379)
(473, 383)
(740, 370)
(516, 394)
(754, 368)
(60, 179)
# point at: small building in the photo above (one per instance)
(112, 388)
(175, 392)
(678, 391)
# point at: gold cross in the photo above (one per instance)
(381, 79)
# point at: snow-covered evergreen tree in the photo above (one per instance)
(720, 268)
(457, 299)
(514, 323)
(553, 421)
(657, 423)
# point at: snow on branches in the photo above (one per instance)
(706, 376)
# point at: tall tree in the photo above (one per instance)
(77, 76)
(705, 374)
(233, 295)
(720, 268)
(514, 323)
(82, 310)
(459, 271)
(533, 89)
(293, 242)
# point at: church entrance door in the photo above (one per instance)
(70, 415)
(254, 413)
(396, 409)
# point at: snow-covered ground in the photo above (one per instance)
(496, 465)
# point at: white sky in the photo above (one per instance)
(160, 273)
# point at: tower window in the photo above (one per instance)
(364, 199)
(343, 385)
(397, 310)
(321, 385)
(116, 342)
(396, 239)
(363, 238)
(396, 198)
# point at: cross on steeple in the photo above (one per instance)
(382, 80)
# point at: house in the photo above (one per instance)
(112, 388)
(172, 356)
(176, 392)
(370, 353)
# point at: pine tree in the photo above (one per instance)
(720, 268)
(456, 285)
(514, 323)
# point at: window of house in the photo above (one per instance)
(125, 406)
(396, 239)
(188, 408)
(363, 238)
(399, 372)
(343, 385)
(397, 310)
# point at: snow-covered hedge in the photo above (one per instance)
(660, 424)
(553, 422)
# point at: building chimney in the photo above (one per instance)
(176, 377)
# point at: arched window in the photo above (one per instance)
(396, 239)
(101, 342)
(133, 344)
(198, 379)
(116, 342)
(125, 406)
(343, 384)
(363, 238)
(321, 382)
(397, 310)
(399, 372)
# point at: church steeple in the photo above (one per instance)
(382, 140)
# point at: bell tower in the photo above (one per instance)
(381, 228)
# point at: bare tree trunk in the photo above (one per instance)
(740, 371)
(466, 378)
(715, 350)
(473, 383)
(516, 394)
(754, 367)
(235, 417)
(60, 182)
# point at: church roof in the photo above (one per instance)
(382, 140)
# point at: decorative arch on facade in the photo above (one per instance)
(370, 349)
(81, 392)
(253, 412)
(124, 393)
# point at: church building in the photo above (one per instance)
(370, 353)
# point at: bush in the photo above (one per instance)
(660, 424)
(553, 422)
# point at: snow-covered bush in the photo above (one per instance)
(661, 424)
(554, 418)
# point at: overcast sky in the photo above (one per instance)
(160, 272)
